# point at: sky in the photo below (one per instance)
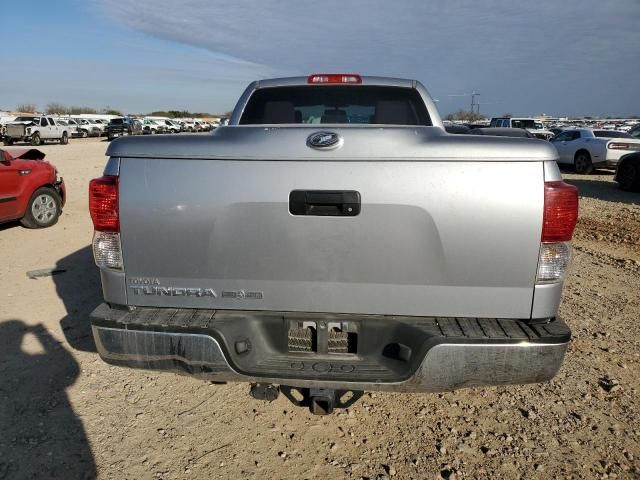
(575, 57)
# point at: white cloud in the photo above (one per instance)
(520, 55)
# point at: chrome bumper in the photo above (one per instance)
(444, 365)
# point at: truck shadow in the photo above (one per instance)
(593, 186)
(603, 190)
(41, 436)
(80, 291)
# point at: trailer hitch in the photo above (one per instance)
(321, 401)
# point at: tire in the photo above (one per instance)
(43, 210)
(629, 176)
(35, 139)
(582, 163)
(64, 139)
(8, 141)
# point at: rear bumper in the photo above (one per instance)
(427, 354)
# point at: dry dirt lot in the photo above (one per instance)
(65, 414)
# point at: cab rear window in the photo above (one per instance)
(336, 104)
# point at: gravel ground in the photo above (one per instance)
(65, 414)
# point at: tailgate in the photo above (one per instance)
(433, 238)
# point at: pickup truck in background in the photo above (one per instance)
(87, 127)
(121, 126)
(533, 126)
(150, 127)
(334, 239)
(35, 130)
(587, 149)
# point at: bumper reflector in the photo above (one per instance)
(553, 262)
(107, 251)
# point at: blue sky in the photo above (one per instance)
(576, 57)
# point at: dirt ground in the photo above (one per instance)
(66, 414)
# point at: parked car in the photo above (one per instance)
(35, 130)
(101, 124)
(586, 149)
(536, 127)
(325, 258)
(3, 122)
(69, 124)
(170, 126)
(628, 172)
(152, 126)
(503, 132)
(189, 126)
(74, 128)
(88, 128)
(30, 188)
(635, 131)
(202, 126)
(121, 126)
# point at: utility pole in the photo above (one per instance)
(475, 106)
(473, 102)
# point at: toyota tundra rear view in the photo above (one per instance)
(333, 239)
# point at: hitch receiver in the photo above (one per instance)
(321, 401)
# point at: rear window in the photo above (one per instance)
(116, 121)
(524, 124)
(333, 104)
(610, 134)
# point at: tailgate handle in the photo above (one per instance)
(327, 203)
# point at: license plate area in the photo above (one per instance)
(322, 337)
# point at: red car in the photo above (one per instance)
(30, 189)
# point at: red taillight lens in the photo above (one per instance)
(560, 211)
(334, 78)
(103, 204)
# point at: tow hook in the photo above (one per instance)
(321, 401)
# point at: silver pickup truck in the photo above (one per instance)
(334, 239)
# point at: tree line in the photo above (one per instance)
(179, 114)
(464, 116)
(55, 108)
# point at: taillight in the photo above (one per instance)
(560, 211)
(334, 78)
(623, 146)
(558, 223)
(103, 204)
(618, 146)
